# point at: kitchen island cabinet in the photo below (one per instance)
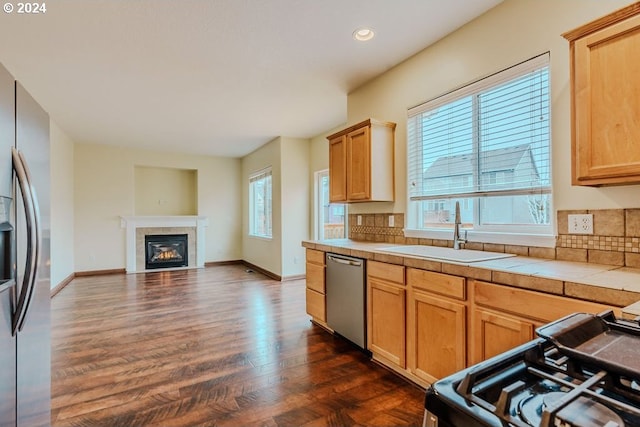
(437, 319)
(386, 313)
(605, 95)
(361, 163)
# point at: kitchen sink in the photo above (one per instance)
(445, 254)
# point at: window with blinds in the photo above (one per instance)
(487, 146)
(260, 207)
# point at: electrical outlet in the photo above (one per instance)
(581, 224)
(392, 220)
(359, 219)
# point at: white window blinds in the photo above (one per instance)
(489, 138)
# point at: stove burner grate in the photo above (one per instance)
(581, 412)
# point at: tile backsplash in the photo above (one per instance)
(375, 228)
(615, 239)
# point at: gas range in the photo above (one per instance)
(584, 370)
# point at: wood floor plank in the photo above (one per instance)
(218, 346)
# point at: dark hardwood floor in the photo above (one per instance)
(212, 347)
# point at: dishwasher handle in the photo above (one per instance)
(344, 261)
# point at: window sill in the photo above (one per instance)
(255, 236)
(520, 239)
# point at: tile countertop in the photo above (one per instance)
(608, 284)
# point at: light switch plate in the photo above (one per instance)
(359, 220)
(392, 221)
(580, 224)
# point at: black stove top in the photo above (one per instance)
(560, 380)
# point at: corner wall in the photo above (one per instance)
(263, 252)
(62, 205)
(283, 254)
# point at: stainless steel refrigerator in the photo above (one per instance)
(25, 337)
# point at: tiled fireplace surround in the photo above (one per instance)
(616, 238)
(137, 227)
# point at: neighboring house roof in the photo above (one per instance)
(502, 159)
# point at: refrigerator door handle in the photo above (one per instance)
(23, 298)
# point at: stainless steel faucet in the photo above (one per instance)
(456, 229)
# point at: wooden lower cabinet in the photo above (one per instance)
(316, 307)
(437, 336)
(315, 292)
(436, 324)
(386, 326)
(504, 317)
(386, 313)
(495, 333)
(427, 325)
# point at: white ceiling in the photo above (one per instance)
(218, 77)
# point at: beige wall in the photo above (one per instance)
(165, 191)
(104, 190)
(294, 162)
(62, 205)
(265, 253)
(289, 160)
(510, 33)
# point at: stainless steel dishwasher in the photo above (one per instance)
(345, 293)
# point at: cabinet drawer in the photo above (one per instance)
(531, 304)
(443, 284)
(389, 272)
(315, 257)
(316, 307)
(315, 277)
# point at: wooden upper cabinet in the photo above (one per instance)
(338, 169)
(605, 91)
(361, 163)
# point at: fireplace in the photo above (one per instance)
(137, 227)
(166, 250)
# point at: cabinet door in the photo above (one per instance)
(437, 336)
(496, 333)
(359, 164)
(338, 169)
(386, 321)
(606, 105)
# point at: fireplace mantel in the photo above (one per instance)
(132, 223)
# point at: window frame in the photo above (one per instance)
(319, 217)
(527, 234)
(266, 177)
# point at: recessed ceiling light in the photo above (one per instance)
(363, 34)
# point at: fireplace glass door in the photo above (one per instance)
(166, 250)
